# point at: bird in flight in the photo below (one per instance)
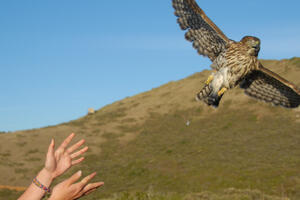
(235, 63)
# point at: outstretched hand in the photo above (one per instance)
(69, 190)
(59, 161)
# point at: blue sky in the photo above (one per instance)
(60, 57)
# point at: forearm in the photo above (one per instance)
(33, 192)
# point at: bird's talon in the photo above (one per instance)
(222, 91)
(210, 78)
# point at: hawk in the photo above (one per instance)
(235, 63)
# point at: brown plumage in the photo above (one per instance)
(235, 63)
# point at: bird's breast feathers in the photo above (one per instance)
(238, 62)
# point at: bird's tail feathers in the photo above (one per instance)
(204, 93)
(208, 96)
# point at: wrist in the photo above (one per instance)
(45, 177)
(54, 197)
(47, 173)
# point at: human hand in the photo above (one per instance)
(69, 190)
(59, 161)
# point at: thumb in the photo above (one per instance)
(74, 177)
(51, 148)
(50, 159)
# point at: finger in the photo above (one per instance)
(90, 188)
(74, 177)
(75, 162)
(90, 191)
(85, 180)
(78, 153)
(75, 146)
(66, 141)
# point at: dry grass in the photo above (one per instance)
(143, 142)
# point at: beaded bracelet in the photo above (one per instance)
(38, 184)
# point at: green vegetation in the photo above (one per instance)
(105, 117)
(33, 159)
(21, 170)
(229, 194)
(295, 61)
(21, 144)
(231, 149)
(9, 194)
(5, 154)
(32, 151)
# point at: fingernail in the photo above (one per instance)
(79, 172)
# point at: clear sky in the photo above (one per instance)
(60, 57)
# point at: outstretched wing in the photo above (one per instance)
(266, 85)
(207, 38)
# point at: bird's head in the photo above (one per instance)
(253, 43)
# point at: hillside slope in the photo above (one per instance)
(143, 142)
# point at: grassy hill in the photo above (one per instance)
(143, 148)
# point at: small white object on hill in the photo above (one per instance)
(188, 123)
(91, 111)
